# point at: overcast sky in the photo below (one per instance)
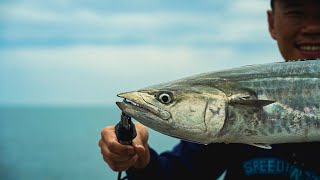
(86, 52)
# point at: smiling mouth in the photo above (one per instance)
(309, 49)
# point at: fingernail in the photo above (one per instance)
(138, 145)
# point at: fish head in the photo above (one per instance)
(185, 113)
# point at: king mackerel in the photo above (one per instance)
(260, 105)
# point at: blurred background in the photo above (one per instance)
(63, 62)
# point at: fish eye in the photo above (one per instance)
(165, 98)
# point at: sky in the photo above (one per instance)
(67, 52)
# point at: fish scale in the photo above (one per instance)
(287, 114)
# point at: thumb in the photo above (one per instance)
(140, 142)
(142, 151)
(138, 147)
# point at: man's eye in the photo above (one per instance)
(294, 13)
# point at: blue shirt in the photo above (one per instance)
(194, 161)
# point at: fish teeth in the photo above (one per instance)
(131, 102)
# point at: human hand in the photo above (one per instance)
(121, 157)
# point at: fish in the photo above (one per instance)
(257, 104)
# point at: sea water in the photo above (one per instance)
(59, 143)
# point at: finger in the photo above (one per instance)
(120, 149)
(122, 165)
(127, 163)
(113, 156)
(139, 149)
(126, 153)
(137, 141)
(108, 134)
(110, 140)
(143, 156)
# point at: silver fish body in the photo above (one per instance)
(258, 104)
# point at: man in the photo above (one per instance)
(295, 25)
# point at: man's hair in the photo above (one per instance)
(272, 4)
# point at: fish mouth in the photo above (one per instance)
(135, 105)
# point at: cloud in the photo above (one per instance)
(50, 26)
(95, 74)
(249, 7)
(88, 51)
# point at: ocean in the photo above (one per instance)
(59, 143)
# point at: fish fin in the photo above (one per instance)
(249, 100)
(256, 102)
(263, 146)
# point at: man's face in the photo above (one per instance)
(295, 25)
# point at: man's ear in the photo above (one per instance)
(272, 31)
